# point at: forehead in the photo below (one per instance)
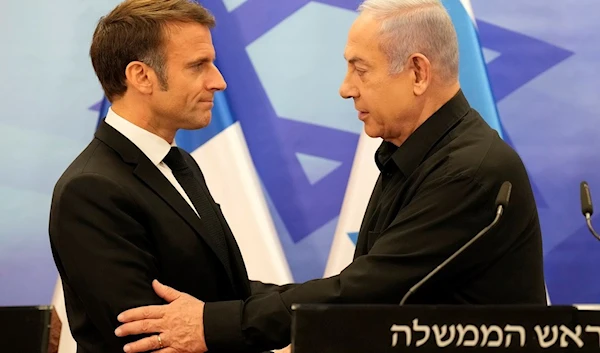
(363, 39)
(184, 39)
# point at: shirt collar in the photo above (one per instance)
(153, 146)
(413, 151)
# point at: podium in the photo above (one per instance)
(29, 329)
(391, 328)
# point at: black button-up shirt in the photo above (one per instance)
(435, 193)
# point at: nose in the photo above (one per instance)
(347, 89)
(216, 82)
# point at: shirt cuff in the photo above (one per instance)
(223, 326)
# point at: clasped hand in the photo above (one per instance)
(174, 327)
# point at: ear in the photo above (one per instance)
(420, 66)
(140, 77)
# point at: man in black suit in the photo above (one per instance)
(132, 207)
(441, 169)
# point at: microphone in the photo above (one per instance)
(586, 206)
(501, 203)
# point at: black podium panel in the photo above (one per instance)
(382, 329)
(28, 329)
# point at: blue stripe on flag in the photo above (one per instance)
(473, 72)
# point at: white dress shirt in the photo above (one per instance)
(153, 146)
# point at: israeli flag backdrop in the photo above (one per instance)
(288, 146)
(283, 77)
(299, 139)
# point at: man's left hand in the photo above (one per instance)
(178, 325)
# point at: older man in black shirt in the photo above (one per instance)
(441, 168)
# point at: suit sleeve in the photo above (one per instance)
(258, 287)
(443, 216)
(103, 251)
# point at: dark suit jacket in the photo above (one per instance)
(116, 223)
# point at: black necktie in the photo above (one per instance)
(184, 175)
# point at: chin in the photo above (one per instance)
(373, 132)
(200, 122)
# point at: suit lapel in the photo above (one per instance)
(149, 174)
(235, 256)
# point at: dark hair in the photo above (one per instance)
(135, 30)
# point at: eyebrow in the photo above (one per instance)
(199, 61)
(356, 59)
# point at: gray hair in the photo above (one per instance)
(416, 26)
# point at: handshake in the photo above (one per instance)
(174, 327)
